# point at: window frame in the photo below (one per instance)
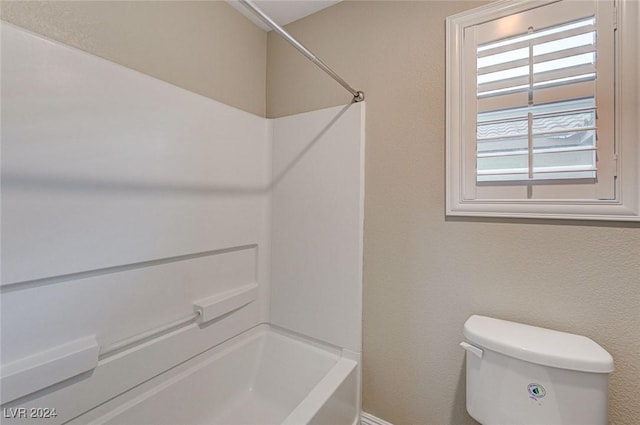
(626, 204)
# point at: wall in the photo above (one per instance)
(423, 274)
(125, 200)
(317, 224)
(203, 46)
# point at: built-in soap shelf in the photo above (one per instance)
(216, 306)
(33, 373)
(29, 374)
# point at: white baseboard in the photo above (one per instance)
(369, 419)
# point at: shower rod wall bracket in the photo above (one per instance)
(358, 96)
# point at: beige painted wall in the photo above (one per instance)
(203, 46)
(424, 275)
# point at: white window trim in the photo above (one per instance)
(626, 206)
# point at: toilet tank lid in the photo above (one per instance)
(538, 345)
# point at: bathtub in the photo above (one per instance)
(263, 376)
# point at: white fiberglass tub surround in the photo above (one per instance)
(264, 376)
(182, 261)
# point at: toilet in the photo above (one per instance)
(524, 375)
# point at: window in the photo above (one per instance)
(536, 117)
(535, 120)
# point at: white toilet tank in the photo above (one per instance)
(524, 375)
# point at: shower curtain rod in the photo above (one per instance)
(358, 96)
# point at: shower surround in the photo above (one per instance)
(166, 254)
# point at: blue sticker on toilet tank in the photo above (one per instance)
(536, 390)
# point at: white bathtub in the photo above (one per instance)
(263, 376)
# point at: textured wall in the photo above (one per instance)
(203, 46)
(424, 275)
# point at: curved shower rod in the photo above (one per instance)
(358, 96)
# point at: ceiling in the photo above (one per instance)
(283, 11)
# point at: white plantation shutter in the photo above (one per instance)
(542, 111)
(540, 101)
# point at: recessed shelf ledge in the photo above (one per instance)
(220, 304)
(30, 374)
